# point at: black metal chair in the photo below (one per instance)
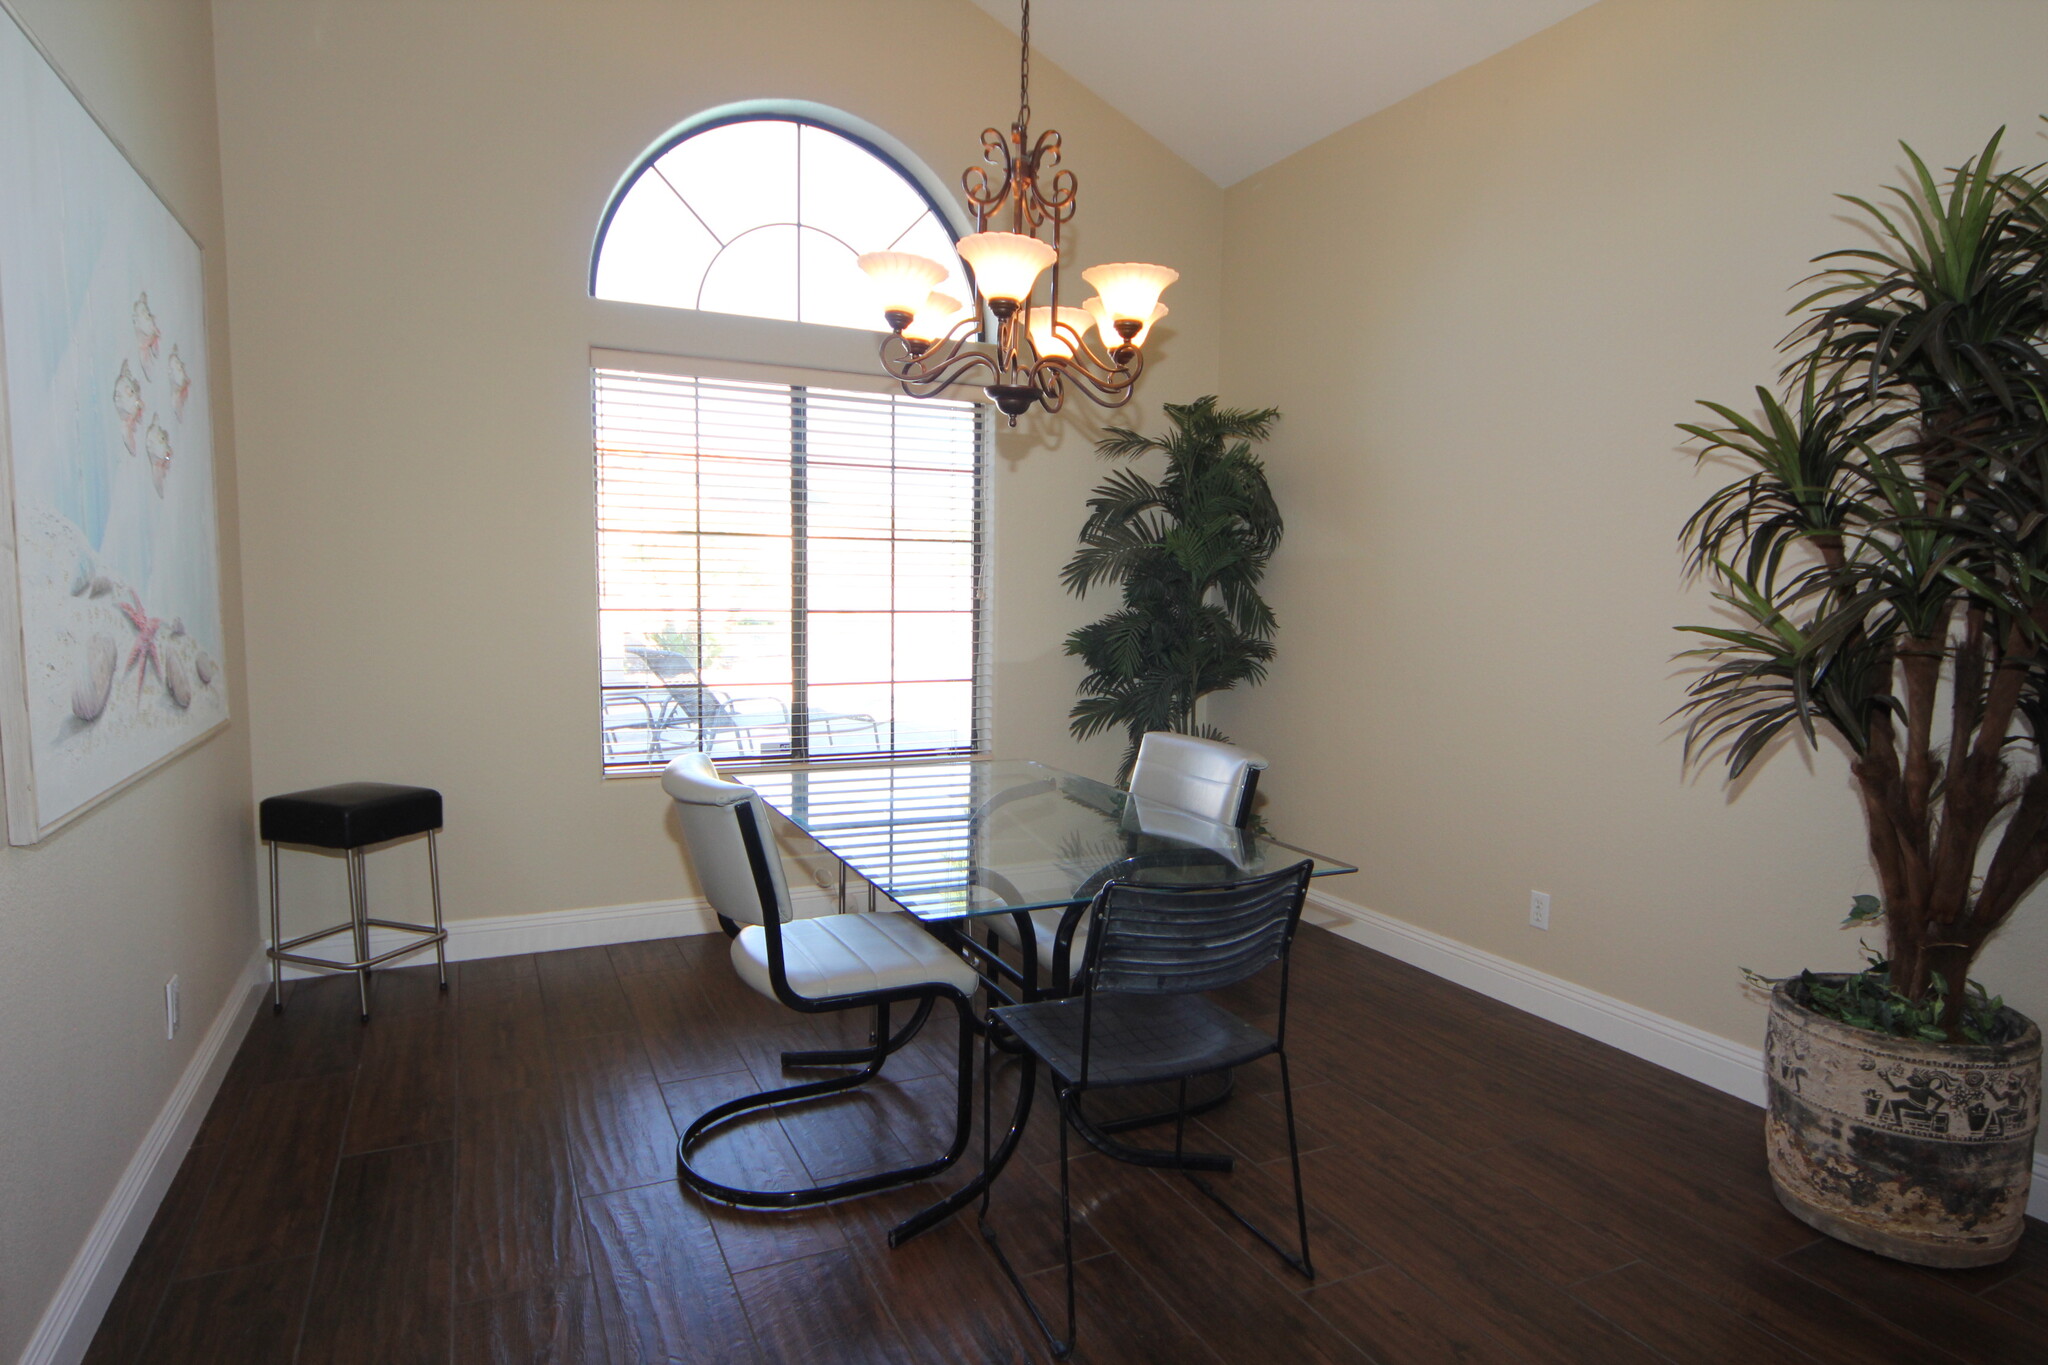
(816, 965)
(1141, 1019)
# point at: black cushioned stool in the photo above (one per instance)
(351, 817)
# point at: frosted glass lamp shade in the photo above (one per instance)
(902, 279)
(1130, 289)
(1048, 342)
(1105, 323)
(1006, 264)
(935, 317)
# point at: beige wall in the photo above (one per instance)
(412, 192)
(159, 879)
(1482, 311)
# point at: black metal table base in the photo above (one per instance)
(1096, 1133)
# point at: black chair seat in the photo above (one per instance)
(1138, 1039)
(349, 815)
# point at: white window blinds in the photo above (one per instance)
(788, 573)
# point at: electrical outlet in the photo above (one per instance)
(1539, 909)
(171, 1008)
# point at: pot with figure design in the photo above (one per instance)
(1918, 1151)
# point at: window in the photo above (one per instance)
(789, 571)
(765, 216)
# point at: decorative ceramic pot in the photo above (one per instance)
(1918, 1151)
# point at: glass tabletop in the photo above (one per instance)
(984, 836)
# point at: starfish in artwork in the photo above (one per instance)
(145, 651)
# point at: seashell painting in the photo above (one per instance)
(149, 338)
(181, 384)
(95, 680)
(109, 524)
(176, 680)
(204, 667)
(128, 405)
(156, 444)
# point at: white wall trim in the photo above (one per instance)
(1708, 1058)
(88, 1286)
(592, 926)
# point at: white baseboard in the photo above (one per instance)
(88, 1286)
(593, 926)
(1708, 1058)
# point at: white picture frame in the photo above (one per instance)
(111, 634)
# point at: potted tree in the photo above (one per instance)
(1884, 560)
(1187, 552)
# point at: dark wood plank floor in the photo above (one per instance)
(488, 1176)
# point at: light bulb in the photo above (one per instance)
(902, 281)
(1048, 342)
(1006, 264)
(1105, 324)
(1130, 289)
(935, 318)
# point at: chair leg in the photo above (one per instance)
(1062, 1347)
(1307, 1267)
(276, 940)
(987, 1138)
(359, 913)
(855, 1056)
(809, 1090)
(434, 878)
(1300, 1262)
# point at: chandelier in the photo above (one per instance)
(1040, 351)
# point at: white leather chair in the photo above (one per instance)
(1206, 777)
(1175, 776)
(816, 965)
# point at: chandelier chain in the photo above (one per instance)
(1024, 73)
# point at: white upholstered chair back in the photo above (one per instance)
(708, 806)
(1203, 776)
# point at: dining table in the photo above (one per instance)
(958, 843)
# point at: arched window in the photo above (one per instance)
(764, 214)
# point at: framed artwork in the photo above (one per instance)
(110, 614)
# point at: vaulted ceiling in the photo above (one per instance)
(1233, 86)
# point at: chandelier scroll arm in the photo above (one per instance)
(923, 372)
(983, 190)
(1084, 349)
(1110, 391)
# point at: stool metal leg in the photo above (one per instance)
(434, 876)
(359, 911)
(276, 939)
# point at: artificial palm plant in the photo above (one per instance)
(1886, 555)
(1187, 551)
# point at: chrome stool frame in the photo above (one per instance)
(338, 838)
